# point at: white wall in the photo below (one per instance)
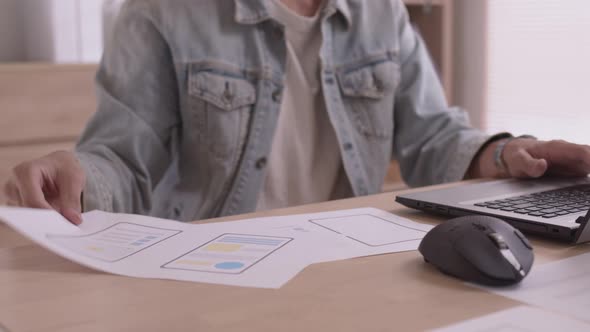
(538, 68)
(470, 63)
(11, 45)
(91, 24)
(62, 31)
(37, 35)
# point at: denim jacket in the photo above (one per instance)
(189, 93)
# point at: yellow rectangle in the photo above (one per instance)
(223, 247)
(97, 249)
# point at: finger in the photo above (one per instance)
(524, 165)
(69, 191)
(74, 216)
(585, 155)
(29, 181)
(536, 167)
(12, 202)
(11, 194)
(565, 159)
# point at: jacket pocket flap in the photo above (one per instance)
(226, 92)
(370, 81)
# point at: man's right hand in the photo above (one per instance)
(55, 181)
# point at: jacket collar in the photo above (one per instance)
(254, 12)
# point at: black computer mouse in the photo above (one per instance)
(479, 249)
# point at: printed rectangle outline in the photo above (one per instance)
(163, 266)
(52, 237)
(313, 221)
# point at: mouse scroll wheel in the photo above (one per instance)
(505, 251)
(498, 241)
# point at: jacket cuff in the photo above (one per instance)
(466, 154)
(96, 194)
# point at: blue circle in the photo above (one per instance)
(229, 265)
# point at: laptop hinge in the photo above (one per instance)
(583, 233)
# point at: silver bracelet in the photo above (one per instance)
(498, 160)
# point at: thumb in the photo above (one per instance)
(533, 167)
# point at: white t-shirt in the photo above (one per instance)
(305, 160)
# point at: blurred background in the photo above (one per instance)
(59, 31)
(515, 65)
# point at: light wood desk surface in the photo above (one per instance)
(40, 291)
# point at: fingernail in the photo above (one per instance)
(540, 168)
(77, 219)
(72, 215)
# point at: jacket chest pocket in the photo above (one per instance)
(368, 94)
(221, 106)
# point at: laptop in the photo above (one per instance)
(554, 207)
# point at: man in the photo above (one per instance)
(210, 108)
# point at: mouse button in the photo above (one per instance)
(498, 241)
(522, 238)
(480, 226)
(450, 227)
(485, 257)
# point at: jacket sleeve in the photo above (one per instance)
(433, 142)
(126, 147)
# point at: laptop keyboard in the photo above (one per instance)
(546, 204)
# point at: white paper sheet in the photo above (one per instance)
(264, 252)
(562, 286)
(519, 319)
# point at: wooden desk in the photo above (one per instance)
(397, 292)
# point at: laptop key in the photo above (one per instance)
(552, 210)
(536, 214)
(522, 211)
(549, 215)
(523, 206)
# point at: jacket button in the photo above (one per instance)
(177, 212)
(261, 163)
(276, 96)
(279, 31)
(347, 146)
